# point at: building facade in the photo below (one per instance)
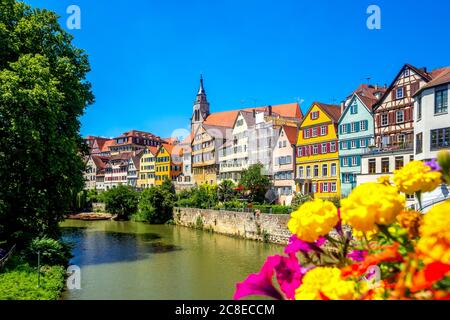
(356, 133)
(147, 168)
(133, 141)
(116, 170)
(167, 165)
(284, 164)
(317, 156)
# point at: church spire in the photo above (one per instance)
(201, 90)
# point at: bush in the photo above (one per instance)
(274, 209)
(53, 252)
(235, 204)
(122, 200)
(156, 205)
(185, 203)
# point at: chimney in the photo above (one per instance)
(270, 110)
(342, 106)
(254, 113)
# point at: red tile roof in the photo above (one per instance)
(439, 77)
(334, 111)
(291, 134)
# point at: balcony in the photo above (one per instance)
(390, 148)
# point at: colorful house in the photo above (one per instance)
(168, 164)
(147, 168)
(356, 133)
(317, 152)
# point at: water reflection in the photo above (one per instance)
(126, 260)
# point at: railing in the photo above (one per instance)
(6, 257)
(406, 146)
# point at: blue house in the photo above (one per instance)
(356, 133)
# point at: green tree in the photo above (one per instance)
(256, 183)
(225, 191)
(204, 196)
(156, 205)
(43, 92)
(122, 201)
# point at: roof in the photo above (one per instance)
(218, 131)
(188, 139)
(100, 162)
(332, 110)
(227, 118)
(171, 140)
(106, 145)
(291, 134)
(439, 77)
(366, 94)
(248, 117)
(153, 150)
(420, 71)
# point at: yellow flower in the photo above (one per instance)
(435, 234)
(313, 219)
(384, 180)
(416, 176)
(370, 204)
(411, 221)
(327, 281)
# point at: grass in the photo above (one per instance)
(19, 281)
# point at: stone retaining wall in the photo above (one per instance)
(264, 227)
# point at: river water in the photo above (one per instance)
(133, 260)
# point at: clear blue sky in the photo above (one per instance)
(146, 55)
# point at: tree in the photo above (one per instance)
(156, 205)
(226, 191)
(43, 92)
(204, 196)
(255, 183)
(122, 200)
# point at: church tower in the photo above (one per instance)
(200, 109)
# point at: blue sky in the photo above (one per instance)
(147, 55)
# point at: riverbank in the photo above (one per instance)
(90, 216)
(270, 228)
(19, 281)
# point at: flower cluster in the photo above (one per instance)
(390, 253)
(313, 219)
(415, 177)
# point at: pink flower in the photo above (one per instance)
(357, 255)
(260, 283)
(288, 274)
(295, 245)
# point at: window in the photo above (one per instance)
(324, 148)
(400, 116)
(363, 143)
(441, 100)
(316, 171)
(384, 119)
(314, 132)
(288, 159)
(344, 145)
(401, 138)
(333, 170)
(314, 115)
(284, 144)
(385, 165)
(280, 144)
(399, 93)
(399, 163)
(354, 161)
(354, 108)
(440, 138)
(353, 127)
(299, 152)
(323, 130)
(419, 108)
(353, 144)
(332, 146)
(346, 178)
(300, 172)
(324, 170)
(363, 125)
(306, 133)
(325, 187)
(314, 187)
(419, 143)
(345, 162)
(308, 172)
(333, 187)
(315, 149)
(406, 73)
(372, 166)
(344, 128)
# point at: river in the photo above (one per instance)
(133, 260)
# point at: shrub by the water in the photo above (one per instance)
(122, 200)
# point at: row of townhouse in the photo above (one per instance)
(135, 158)
(326, 152)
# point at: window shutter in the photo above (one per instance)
(358, 143)
(340, 129)
(310, 132)
(349, 145)
(391, 117)
(393, 96)
(404, 92)
(321, 187)
(357, 126)
(378, 120)
(326, 129)
(367, 124)
(329, 186)
(328, 147)
(414, 88)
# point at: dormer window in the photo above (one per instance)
(406, 73)
(354, 108)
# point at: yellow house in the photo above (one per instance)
(317, 158)
(168, 163)
(147, 168)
